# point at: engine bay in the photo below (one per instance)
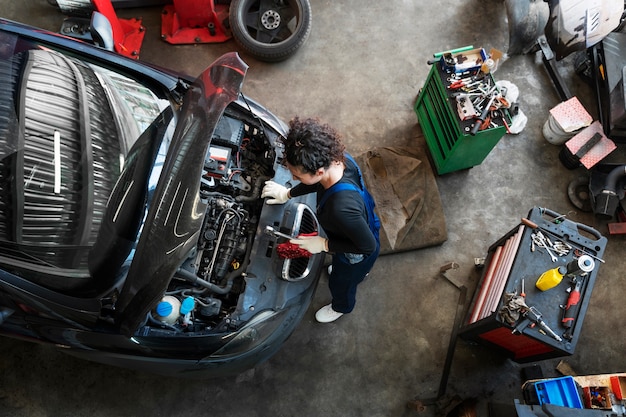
(206, 288)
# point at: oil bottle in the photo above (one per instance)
(551, 278)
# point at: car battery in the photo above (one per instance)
(225, 143)
(512, 267)
(228, 132)
(218, 161)
(447, 115)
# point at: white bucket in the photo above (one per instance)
(554, 133)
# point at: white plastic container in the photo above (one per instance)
(168, 310)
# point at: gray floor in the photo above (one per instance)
(360, 71)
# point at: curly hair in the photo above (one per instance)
(312, 145)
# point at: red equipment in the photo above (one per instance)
(571, 309)
(288, 250)
(268, 30)
(127, 33)
(195, 21)
(125, 37)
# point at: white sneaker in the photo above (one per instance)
(326, 314)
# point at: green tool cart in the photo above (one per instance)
(449, 139)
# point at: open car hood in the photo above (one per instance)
(175, 216)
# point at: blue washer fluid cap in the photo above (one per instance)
(188, 304)
(164, 309)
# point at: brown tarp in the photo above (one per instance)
(403, 185)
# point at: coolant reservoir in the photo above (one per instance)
(168, 309)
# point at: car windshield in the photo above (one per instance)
(66, 129)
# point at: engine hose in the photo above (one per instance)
(156, 322)
(192, 278)
(230, 278)
(256, 191)
(613, 177)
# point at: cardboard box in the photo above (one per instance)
(597, 397)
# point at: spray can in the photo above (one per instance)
(584, 264)
(551, 278)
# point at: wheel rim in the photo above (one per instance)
(272, 21)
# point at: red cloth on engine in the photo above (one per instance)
(288, 250)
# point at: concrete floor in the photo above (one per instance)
(360, 71)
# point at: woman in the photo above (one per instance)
(315, 157)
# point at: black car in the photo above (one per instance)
(132, 231)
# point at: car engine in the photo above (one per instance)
(239, 161)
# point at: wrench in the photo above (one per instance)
(273, 232)
(552, 256)
(543, 243)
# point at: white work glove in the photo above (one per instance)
(279, 194)
(313, 244)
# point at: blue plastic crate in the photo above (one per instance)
(558, 391)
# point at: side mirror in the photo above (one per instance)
(101, 31)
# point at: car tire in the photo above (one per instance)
(270, 34)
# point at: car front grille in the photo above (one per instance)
(299, 268)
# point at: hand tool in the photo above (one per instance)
(483, 116)
(461, 83)
(535, 226)
(463, 94)
(570, 310)
(273, 232)
(540, 240)
(553, 257)
(532, 315)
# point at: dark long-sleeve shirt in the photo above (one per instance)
(343, 216)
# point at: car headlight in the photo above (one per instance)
(253, 334)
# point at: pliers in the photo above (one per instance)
(462, 83)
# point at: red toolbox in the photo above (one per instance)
(516, 258)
